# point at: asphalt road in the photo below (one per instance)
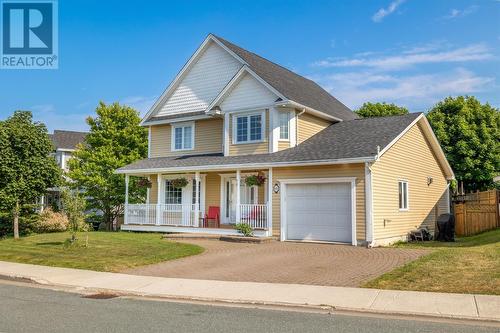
(28, 309)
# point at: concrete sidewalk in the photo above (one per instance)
(479, 307)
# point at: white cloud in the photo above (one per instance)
(457, 13)
(383, 12)
(417, 91)
(422, 55)
(140, 103)
(47, 113)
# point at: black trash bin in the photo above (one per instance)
(446, 228)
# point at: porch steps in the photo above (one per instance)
(225, 238)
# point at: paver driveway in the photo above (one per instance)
(283, 262)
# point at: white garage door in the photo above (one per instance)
(319, 212)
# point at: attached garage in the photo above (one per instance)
(318, 210)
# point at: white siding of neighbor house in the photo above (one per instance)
(248, 93)
(203, 82)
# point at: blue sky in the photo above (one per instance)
(411, 53)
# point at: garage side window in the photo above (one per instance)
(403, 195)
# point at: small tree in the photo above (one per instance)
(469, 133)
(74, 208)
(115, 139)
(26, 167)
(369, 110)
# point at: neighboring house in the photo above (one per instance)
(330, 176)
(65, 143)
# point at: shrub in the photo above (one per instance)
(245, 229)
(50, 221)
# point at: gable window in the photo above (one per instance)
(403, 195)
(183, 136)
(284, 119)
(248, 128)
(172, 195)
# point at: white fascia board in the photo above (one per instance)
(288, 103)
(247, 166)
(235, 80)
(166, 93)
(65, 150)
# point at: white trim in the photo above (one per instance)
(182, 125)
(289, 124)
(260, 113)
(396, 139)
(369, 204)
(246, 166)
(177, 120)
(270, 202)
(275, 130)
(234, 82)
(404, 195)
(285, 182)
(69, 150)
(448, 199)
(309, 109)
(238, 196)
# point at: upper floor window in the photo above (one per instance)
(183, 136)
(284, 119)
(403, 195)
(248, 128)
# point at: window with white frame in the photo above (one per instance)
(403, 195)
(284, 119)
(172, 195)
(194, 193)
(183, 136)
(248, 128)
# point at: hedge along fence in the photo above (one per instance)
(476, 212)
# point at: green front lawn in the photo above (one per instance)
(470, 265)
(106, 251)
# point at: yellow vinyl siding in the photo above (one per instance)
(249, 148)
(412, 159)
(153, 191)
(282, 145)
(212, 191)
(309, 125)
(326, 171)
(208, 139)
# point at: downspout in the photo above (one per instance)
(297, 126)
(369, 205)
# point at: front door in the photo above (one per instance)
(248, 195)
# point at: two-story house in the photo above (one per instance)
(65, 143)
(230, 114)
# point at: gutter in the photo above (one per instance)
(246, 166)
(310, 110)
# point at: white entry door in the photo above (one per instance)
(318, 212)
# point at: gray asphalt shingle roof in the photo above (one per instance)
(67, 139)
(352, 139)
(293, 86)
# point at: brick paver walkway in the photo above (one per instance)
(283, 262)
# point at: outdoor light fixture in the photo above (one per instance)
(429, 180)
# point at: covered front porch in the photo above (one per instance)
(209, 202)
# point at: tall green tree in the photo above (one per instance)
(469, 134)
(115, 140)
(26, 167)
(369, 110)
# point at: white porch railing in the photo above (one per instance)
(177, 215)
(255, 215)
(181, 215)
(140, 214)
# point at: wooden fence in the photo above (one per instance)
(476, 212)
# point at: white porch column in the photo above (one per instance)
(158, 196)
(368, 204)
(238, 196)
(197, 199)
(226, 134)
(126, 199)
(270, 202)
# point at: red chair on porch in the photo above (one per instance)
(212, 219)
